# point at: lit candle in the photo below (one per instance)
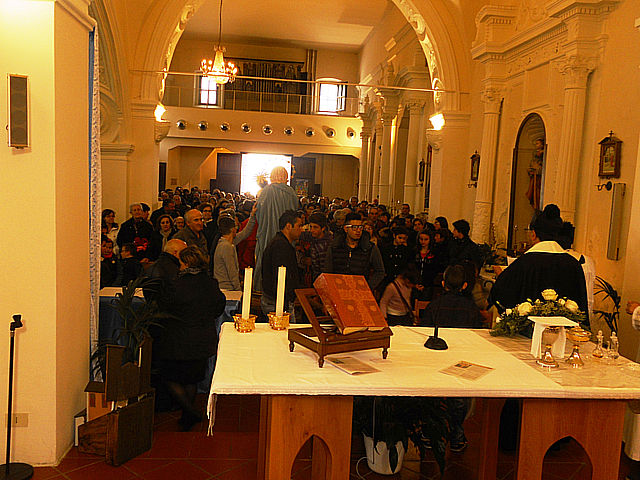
(282, 274)
(246, 295)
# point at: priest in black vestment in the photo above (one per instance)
(545, 265)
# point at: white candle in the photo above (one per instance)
(282, 274)
(246, 295)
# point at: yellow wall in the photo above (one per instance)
(45, 259)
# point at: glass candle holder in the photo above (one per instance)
(244, 325)
(279, 323)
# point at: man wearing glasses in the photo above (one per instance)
(353, 253)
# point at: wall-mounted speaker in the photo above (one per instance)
(18, 111)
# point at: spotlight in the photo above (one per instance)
(330, 132)
(351, 132)
(224, 127)
(267, 130)
(203, 125)
(181, 124)
(437, 121)
(246, 128)
(310, 132)
(288, 131)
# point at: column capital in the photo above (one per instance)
(414, 105)
(366, 132)
(161, 130)
(388, 105)
(434, 139)
(491, 97)
(576, 69)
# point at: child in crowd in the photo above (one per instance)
(455, 309)
(395, 303)
(108, 263)
(129, 267)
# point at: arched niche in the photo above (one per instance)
(527, 180)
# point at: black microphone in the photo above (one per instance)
(433, 342)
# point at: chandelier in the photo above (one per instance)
(216, 69)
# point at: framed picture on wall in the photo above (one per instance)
(610, 149)
(475, 166)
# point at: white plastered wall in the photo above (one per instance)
(44, 191)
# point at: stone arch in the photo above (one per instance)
(447, 57)
(434, 24)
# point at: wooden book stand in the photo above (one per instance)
(327, 340)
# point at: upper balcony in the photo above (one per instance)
(264, 96)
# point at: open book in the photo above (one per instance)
(350, 302)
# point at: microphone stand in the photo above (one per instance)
(13, 471)
(435, 343)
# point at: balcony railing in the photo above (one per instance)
(257, 101)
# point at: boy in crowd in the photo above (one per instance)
(457, 310)
(108, 263)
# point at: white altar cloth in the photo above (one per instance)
(260, 363)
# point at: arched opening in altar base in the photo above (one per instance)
(527, 181)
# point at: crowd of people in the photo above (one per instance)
(200, 242)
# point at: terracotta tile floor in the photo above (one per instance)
(231, 454)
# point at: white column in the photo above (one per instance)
(385, 160)
(377, 154)
(363, 177)
(575, 70)
(389, 112)
(484, 195)
(413, 154)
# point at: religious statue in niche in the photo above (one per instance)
(535, 174)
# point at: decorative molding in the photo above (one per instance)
(529, 15)
(145, 110)
(78, 10)
(481, 221)
(434, 139)
(564, 9)
(576, 69)
(456, 119)
(116, 151)
(492, 95)
(161, 130)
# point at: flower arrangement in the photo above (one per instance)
(516, 321)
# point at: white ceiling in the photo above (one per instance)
(336, 24)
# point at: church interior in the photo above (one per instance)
(445, 105)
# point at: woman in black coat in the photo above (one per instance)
(189, 337)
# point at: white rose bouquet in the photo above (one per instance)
(516, 321)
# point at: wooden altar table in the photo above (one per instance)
(300, 400)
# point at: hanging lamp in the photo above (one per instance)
(216, 69)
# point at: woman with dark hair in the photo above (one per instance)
(545, 265)
(161, 235)
(417, 226)
(427, 265)
(109, 220)
(189, 336)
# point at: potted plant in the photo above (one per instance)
(124, 402)
(388, 422)
(606, 289)
(137, 315)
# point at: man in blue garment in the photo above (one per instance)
(273, 201)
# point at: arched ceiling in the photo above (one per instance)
(334, 24)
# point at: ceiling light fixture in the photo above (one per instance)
(217, 69)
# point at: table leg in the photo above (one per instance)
(489, 410)
(288, 421)
(595, 424)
